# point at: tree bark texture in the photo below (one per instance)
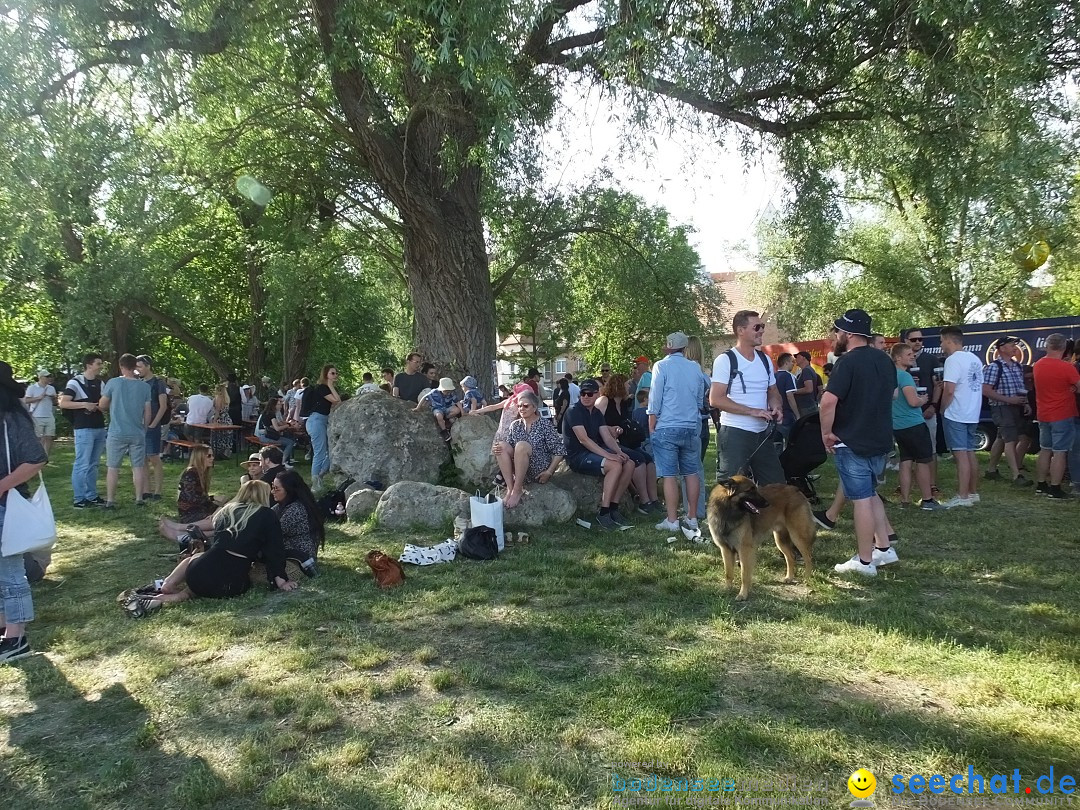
(296, 357)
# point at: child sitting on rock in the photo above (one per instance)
(443, 405)
(472, 399)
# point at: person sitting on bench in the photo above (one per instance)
(271, 428)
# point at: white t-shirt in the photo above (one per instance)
(964, 369)
(199, 408)
(757, 381)
(575, 394)
(43, 408)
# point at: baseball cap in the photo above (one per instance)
(589, 386)
(44, 372)
(854, 322)
(643, 359)
(677, 340)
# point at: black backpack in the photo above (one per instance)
(733, 360)
(479, 543)
(332, 504)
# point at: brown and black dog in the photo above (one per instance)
(740, 514)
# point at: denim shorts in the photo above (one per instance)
(1057, 436)
(16, 604)
(959, 435)
(153, 441)
(677, 451)
(116, 447)
(586, 463)
(859, 474)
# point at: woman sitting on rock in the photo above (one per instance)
(509, 410)
(244, 530)
(302, 530)
(534, 446)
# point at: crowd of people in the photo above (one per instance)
(632, 431)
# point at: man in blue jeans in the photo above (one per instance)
(856, 426)
(675, 397)
(81, 396)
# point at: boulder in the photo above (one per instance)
(470, 441)
(586, 491)
(362, 503)
(415, 503)
(381, 438)
(541, 505)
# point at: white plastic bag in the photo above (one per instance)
(29, 525)
(488, 511)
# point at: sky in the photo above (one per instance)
(707, 185)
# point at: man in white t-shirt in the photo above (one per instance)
(199, 407)
(575, 390)
(961, 404)
(40, 399)
(750, 405)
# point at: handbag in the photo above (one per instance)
(388, 571)
(478, 543)
(632, 436)
(488, 511)
(29, 524)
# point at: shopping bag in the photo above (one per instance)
(487, 510)
(29, 525)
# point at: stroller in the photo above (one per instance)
(805, 452)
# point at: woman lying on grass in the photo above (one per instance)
(244, 530)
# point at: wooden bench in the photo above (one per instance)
(255, 440)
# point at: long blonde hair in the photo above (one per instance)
(694, 350)
(234, 516)
(201, 461)
(221, 396)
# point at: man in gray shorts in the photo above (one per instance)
(1003, 385)
(127, 401)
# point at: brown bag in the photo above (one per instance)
(388, 571)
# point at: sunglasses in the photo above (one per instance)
(588, 393)
(759, 327)
(915, 340)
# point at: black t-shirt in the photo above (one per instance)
(409, 386)
(864, 380)
(591, 418)
(236, 407)
(261, 537)
(923, 370)
(807, 402)
(157, 388)
(92, 390)
(315, 400)
(272, 473)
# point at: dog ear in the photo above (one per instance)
(726, 483)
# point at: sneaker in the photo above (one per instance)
(1058, 494)
(822, 520)
(930, 506)
(974, 497)
(691, 531)
(643, 508)
(97, 500)
(1042, 488)
(156, 496)
(81, 504)
(856, 566)
(886, 557)
(991, 475)
(666, 525)
(12, 649)
(618, 519)
(1022, 481)
(606, 523)
(952, 503)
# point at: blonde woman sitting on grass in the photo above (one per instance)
(245, 530)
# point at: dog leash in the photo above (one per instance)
(769, 431)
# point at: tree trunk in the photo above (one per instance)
(121, 328)
(296, 358)
(178, 330)
(446, 266)
(256, 359)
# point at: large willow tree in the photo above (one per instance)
(426, 95)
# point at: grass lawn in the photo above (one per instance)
(529, 681)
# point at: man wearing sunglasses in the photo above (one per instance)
(744, 390)
(923, 372)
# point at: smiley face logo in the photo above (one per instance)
(862, 783)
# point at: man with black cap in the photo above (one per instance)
(1003, 385)
(592, 449)
(856, 427)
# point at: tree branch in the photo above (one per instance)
(536, 43)
(178, 330)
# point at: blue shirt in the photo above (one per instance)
(785, 382)
(440, 400)
(642, 418)
(904, 415)
(472, 399)
(678, 388)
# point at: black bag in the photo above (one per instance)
(478, 543)
(332, 504)
(632, 434)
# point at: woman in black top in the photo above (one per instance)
(318, 402)
(561, 401)
(245, 529)
(302, 531)
(21, 458)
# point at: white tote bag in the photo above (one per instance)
(29, 525)
(488, 511)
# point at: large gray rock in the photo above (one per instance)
(414, 503)
(381, 438)
(470, 439)
(586, 490)
(362, 503)
(542, 504)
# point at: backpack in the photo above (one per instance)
(734, 362)
(332, 504)
(75, 382)
(479, 543)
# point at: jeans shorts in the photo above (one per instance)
(153, 441)
(677, 451)
(959, 435)
(859, 474)
(116, 447)
(586, 463)
(1057, 436)
(16, 604)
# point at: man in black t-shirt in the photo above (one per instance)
(409, 383)
(81, 396)
(856, 426)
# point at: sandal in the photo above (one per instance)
(141, 607)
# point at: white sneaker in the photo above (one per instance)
(666, 525)
(952, 503)
(974, 497)
(886, 557)
(691, 531)
(855, 566)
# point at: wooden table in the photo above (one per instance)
(210, 433)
